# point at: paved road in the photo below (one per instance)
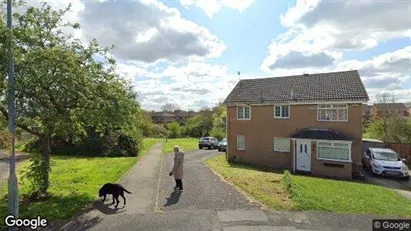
(207, 203)
(4, 167)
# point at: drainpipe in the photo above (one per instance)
(227, 133)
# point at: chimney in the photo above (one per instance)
(306, 74)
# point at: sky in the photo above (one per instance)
(189, 53)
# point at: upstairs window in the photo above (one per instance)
(282, 111)
(332, 112)
(243, 112)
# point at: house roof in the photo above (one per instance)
(333, 86)
(320, 134)
(164, 114)
(397, 106)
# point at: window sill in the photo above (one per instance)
(244, 119)
(283, 151)
(283, 118)
(342, 161)
(332, 120)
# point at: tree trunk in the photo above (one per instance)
(45, 154)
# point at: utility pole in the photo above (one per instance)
(13, 189)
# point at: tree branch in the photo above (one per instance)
(24, 127)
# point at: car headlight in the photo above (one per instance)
(376, 165)
(404, 167)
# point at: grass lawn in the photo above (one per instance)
(310, 193)
(187, 144)
(74, 183)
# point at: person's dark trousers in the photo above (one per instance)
(179, 184)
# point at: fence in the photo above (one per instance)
(403, 149)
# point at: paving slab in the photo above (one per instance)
(242, 215)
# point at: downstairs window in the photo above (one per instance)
(337, 151)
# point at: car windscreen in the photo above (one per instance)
(224, 140)
(204, 138)
(388, 156)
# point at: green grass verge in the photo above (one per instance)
(310, 193)
(187, 144)
(74, 183)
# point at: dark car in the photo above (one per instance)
(222, 146)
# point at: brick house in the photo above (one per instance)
(305, 123)
(169, 117)
(399, 108)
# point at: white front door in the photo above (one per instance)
(303, 152)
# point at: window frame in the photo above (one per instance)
(281, 111)
(320, 107)
(282, 138)
(238, 142)
(243, 107)
(332, 142)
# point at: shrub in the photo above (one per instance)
(5, 139)
(159, 131)
(287, 180)
(115, 143)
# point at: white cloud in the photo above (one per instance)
(147, 31)
(212, 7)
(191, 86)
(332, 27)
(141, 30)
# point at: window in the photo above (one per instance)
(281, 144)
(240, 142)
(282, 111)
(337, 151)
(243, 112)
(332, 112)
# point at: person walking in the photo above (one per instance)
(178, 167)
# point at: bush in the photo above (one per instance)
(159, 131)
(116, 143)
(5, 139)
(287, 180)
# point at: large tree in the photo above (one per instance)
(61, 89)
(219, 121)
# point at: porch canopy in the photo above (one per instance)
(320, 134)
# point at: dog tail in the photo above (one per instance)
(125, 190)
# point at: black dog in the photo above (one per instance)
(115, 190)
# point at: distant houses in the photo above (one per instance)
(374, 111)
(169, 117)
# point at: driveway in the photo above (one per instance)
(401, 186)
(207, 203)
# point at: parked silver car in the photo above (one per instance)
(208, 142)
(222, 146)
(385, 161)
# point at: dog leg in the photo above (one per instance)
(104, 198)
(117, 201)
(122, 195)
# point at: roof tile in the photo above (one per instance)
(333, 86)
